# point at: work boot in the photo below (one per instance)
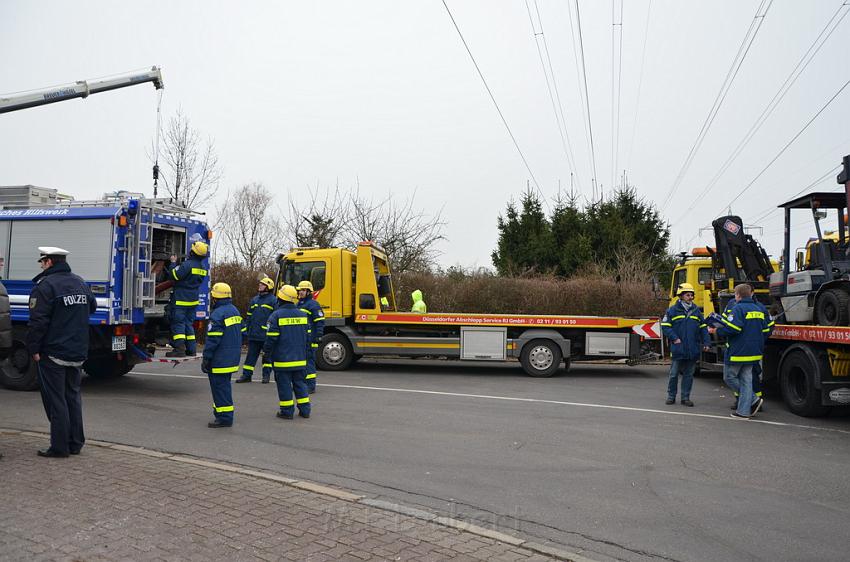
(179, 349)
(283, 416)
(243, 378)
(670, 401)
(265, 380)
(688, 403)
(216, 424)
(304, 414)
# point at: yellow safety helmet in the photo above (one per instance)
(288, 293)
(200, 248)
(221, 291)
(267, 282)
(305, 285)
(685, 288)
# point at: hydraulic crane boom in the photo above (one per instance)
(80, 89)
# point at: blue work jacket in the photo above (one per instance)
(256, 318)
(288, 338)
(689, 327)
(747, 325)
(188, 277)
(223, 348)
(316, 318)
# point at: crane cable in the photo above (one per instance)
(156, 144)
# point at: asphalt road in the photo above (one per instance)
(591, 460)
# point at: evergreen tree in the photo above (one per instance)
(525, 239)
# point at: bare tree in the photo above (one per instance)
(316, 217)
(249, 230)
(408, 233)
(330, 217)
(191, 170)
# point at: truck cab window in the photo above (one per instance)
(312, 271)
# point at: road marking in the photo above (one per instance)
(541, 401)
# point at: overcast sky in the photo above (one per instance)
(297, 94)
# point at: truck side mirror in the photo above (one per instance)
(799, 259)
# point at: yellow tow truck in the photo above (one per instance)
(356, 293)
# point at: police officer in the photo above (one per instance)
(222, 352)
(317, 329)
(684, 326)
(58, 341)
(747, 325)
(254, 329)
(188, 277)
(286, 348)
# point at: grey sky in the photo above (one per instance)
(300, 93)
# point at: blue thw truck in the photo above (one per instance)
(120, 246)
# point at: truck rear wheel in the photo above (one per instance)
(797, 375)
(335, 353)
(541, 358)
(833, 308)
(18, 371)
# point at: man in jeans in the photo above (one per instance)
(684, 326)
(747, 326)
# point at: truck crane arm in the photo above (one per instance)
(80, 89)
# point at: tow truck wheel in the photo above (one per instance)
(832, 309)
(540, 358)
(17, 371)
(797, 380)
(335, 353)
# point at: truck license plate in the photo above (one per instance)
(119, 343)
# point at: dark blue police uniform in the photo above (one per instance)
(60, 305)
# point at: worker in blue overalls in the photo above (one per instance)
(684, 326)
(317, 329)
(747, 325)
(286, 348)
(187, 277)
(254, 329)
(757, 369)
(222, 352)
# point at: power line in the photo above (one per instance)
(616, 82)
(790, 142)
(814, 183)
(640, 84)
(559, 117)
(586, 98)
(743, 49)
(807, 58)
(493, 99)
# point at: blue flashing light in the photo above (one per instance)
(133, 207)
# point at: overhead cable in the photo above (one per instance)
(616, 82)
(789, 143)
(810, 53)
(493, 99)
(640, 85)
(551, 84)
(743, 49)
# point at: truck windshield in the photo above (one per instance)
(312, 271)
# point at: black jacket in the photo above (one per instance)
(60, 305)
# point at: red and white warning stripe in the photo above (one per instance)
(651, 331)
